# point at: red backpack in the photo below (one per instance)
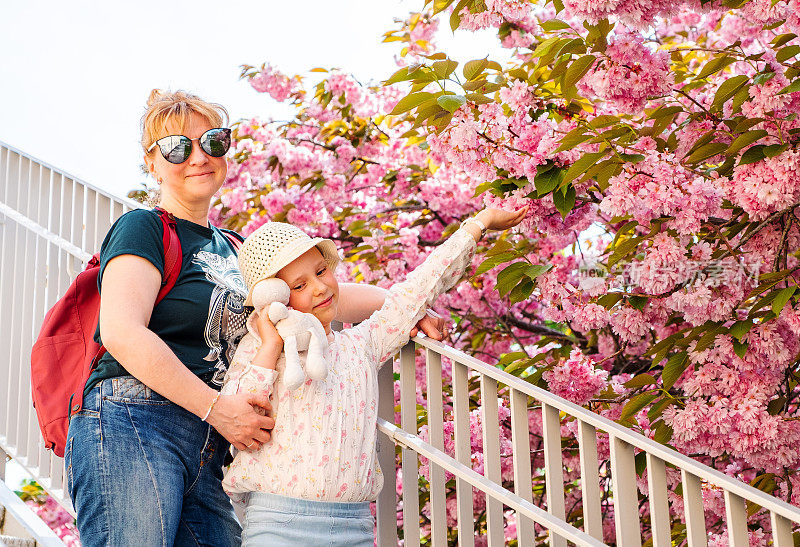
(65, 352)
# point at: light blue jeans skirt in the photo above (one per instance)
(278, 520)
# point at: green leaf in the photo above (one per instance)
(707, 151)
(473, 69)
(574, 138)
(728, 89)
(708, 338)
(752, 154)
(638, 302)
(440, 5)
(603, 121)
(714, 65)
(740, 348)
(675, 366)
(477, 98)
(554, 24)
(609, 300)
(399, 76)
(745, 139)
(640, 380)
(509, 276)
(455, 16)
(787, 53)
(535, 270)
(500, 246)
(663, 434)
(445, 68)
(564, 200)
(640, 463)
(547, 180)
(522, 291)
(411, 101)
(581, 165)
(577, 69)
(781, 299)
(740, 328)
(636, 404)
(451, 103)
(662, 111)
(773, 150)
(791, 88)
(545, 46)
(776, 405)
(781, 39)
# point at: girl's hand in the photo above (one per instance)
(498, 219)
(266, 330)
(271, 342)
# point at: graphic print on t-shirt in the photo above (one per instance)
(226, 313)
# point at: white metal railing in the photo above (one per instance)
(50, 222)
(521, 397)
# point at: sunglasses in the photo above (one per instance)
(177, 148)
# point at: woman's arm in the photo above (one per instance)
(128, 292)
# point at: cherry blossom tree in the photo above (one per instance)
(655, 143)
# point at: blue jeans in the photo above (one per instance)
(143, 471)
(279, 521)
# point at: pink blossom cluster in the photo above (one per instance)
(767, 186)
(576, 378)
(275, 83)
(630, 74)
(660, 186)
(57, 519)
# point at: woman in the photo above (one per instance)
(144, 457)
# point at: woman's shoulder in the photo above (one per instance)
(134, 229)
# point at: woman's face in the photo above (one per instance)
(199, 177)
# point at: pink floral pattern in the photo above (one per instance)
(323, 444)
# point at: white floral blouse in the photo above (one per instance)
(323, 444)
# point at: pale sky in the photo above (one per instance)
(74, 75)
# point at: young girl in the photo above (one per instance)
(312, 483)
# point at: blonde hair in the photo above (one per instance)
(164, 107)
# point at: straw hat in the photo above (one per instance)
(274, 245)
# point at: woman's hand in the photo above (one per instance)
(238, 418)
(499, 219)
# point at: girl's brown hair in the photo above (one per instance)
(176, 107)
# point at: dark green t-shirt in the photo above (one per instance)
(203, 317)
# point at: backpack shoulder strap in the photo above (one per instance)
(173, 254)
(234, 239)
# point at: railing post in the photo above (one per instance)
(386, 505)
(554, 470)
(590, 481)
(693, 504)
(408, 420)
(521, 440)
(438, 499)
(626, 503)
(491, 458)
(659, 505)
(736, 516)
(461, 424)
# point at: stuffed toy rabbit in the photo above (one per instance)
(300, 332)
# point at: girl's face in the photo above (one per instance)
(199, 177)
(312, 287)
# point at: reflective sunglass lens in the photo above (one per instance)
(175, 148)
(216, 142)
